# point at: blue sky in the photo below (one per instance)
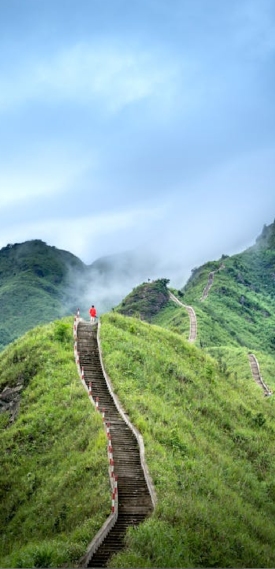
(137, 124)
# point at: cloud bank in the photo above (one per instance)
(147, 127)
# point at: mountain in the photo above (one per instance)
(51, 448)
(208, 429)
(209, 437)
(40, 283)
(35, 286)
(146, 300)
(233, 299)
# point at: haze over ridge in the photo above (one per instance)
(146, 126)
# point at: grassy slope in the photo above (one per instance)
(209, 446)
(235, 361)
(239, 311)
(54, 483)
(209, 443)
(173, 318)
(240, 307)
(25, 303)
(208, 430)
(35, 286)
(146, 300)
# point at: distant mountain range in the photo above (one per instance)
(202, 397)
(233, 299)
(233, 296)
(40, 283)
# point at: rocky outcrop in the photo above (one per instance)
(10, 400)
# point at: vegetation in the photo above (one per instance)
(234, 361)
(240, 307)
(233, 313)
(173, 318)
(54, 485)
(208, 430)
(209, 442)
(40, 283)
(35, 286)
(146, 300)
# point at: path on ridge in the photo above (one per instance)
(210, 282)
(134, 498)
(255, 369)
(192, 317)
(208, 286)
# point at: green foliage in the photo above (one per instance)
(209, 441)
(173, 318)
(234, 362)
(240, 307)
(54, 485)
(62, 331)
(209, 433)
(35, 286)
(146, 300)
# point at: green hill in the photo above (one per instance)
(54, 488)
(209, 439)
(35, 286)
(237, 308)
(40, 283)
(208, 430)
(205, 435)
(240, 306)
(146, 300)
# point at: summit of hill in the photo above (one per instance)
(233, 299)
(209, 439)
(207, 426)
(40, 283)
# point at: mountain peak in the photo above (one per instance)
(267, 237)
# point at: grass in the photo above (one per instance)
(239, 309)
(174, 318)
(209, 444)
(54, 482)
(234, 361)
(209, 439)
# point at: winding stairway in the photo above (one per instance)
(255, 369)
(208, 286)
(210, 282)
(135, 496)
(254, 365)
(192, 317)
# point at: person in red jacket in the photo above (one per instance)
(92, 313)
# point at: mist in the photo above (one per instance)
(149, 129)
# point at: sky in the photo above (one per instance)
(144, 125)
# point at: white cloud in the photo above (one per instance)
(83, 235)
(109, 75)
(49, 170)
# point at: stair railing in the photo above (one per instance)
(136, 433)
(112, 518)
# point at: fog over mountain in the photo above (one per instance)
(145, 126)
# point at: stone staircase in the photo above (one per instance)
(134, 498)
(192, 317)
(210, 282)
(255, 370)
